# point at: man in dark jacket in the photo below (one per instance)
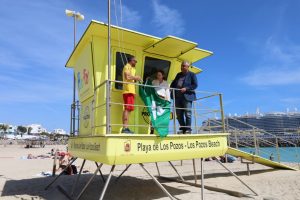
(185, 82)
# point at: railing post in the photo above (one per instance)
(223, 120)
(174, 110)
(236, 140)
(71, 121)
(257, 143)
(78, 117)
(195, 117)
(297, 156)
(74, 117)
(227, 124)
(254, 141)
(277, 149)
(107, 106)
(222, 113)
(297, 153)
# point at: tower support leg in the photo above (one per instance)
(107, 182)
(233, 174)
(176, 171)
(77, 178)
(123, 172)
(90, 180)
(70, 163)
(157, 182)
(202, 179)
(195, 174)
(100, 172)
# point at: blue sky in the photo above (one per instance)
(256, 47)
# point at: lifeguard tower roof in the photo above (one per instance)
(170, 46)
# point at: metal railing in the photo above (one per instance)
(260, 142)
(200, 111)
(207, 117)
(75, 117)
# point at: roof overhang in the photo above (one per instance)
(169, 46)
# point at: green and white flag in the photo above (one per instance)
(158, 108)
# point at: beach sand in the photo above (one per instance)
(19, 180)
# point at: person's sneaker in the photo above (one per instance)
(127, 130)
(188, 131)
(180, 132)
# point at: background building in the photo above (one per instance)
(278, 123)
(8, 128)
(36, 129)
(59, 131)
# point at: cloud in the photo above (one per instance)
(35, 39)
(282, 52)
(25, 88)
(291, 100)
(167, 20)
(131, 18)
(125, 17)
(273, 76)
(278, 64)
(33, 52)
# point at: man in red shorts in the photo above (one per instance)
(129, 91)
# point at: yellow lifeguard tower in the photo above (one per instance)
(99, 85)
(101, 105)
(100, 95)
(97, 61)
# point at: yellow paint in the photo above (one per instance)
(130, 149)
(86, 117)
(171, 47)
(257, 159)
(84, 74)
(195, 55)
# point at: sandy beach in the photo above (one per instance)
(21, 179)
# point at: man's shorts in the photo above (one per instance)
(129, 100)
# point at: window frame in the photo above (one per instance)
(156, 57)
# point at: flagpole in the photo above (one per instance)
(108, 75)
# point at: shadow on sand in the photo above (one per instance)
(190, 181)
(127, 187)
(227, 174)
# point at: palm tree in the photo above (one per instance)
(29, 130)
(3, 127)
(22, 129)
